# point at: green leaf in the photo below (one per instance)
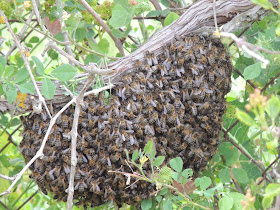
(117, 33)
(176, 164)
(229, 151)
(204, 182)
(187, 173)
(21, 75)
(39, 65)
(53, 54)
(34, 39)
(154, 13)
(146, 204)
(135, 155)
(271, 191)
(48, 88)
(11, 93)
(3, 65)
(224, 175)
(80, 34)
(264, 3)
(149, 147)
(240, 175)
(89, 34)
(209, 193)
(277, 30)
(252, 71)
(237, 197)
(158, 161)
(104, 45)
(167, 205)
(273, 107)
(225, 203)
(92, 59)
(65, 72)
(26, 87)
(244, 118)
(170, 18)
(120, 16)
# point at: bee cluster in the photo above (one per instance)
(175, 98)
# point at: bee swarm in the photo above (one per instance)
(175, 98)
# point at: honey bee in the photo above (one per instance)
(95, 186)
(189, 55)
(168, 108)
(93, 160)
(164, 81)
(81, 186)
(178, 104)
(109, 193)
(148, 57)
(193, 109)
(154, 117)
(116, 133)
(138, 65)
(211, 75)
(116, 157)
(65, 121)
(154, 59)
(167, 63)
(36, 124)
(43, 127)
(211, 58)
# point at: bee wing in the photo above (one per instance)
(77, 186)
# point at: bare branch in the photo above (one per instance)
(156, 4)
(40, 151)
(20, 35)
(103, 24)
(27, 65)
(243, 45)
(74, 134)
(38, 16)
(7, 177)
(90, 68)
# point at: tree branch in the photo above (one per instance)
(27, 65)
(103, 24)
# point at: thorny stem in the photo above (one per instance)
(27, 65)
(164, 185)
(74, 134)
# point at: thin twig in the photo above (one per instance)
(27, 65)
(74, 134)
(20, 35)
(25, 202)
(270, 82)
(38, 16)
(104, 25)
(40, 151)
(7, 177)
(90, 68)
(245, 46)
(6, 207)
(243, 152)
(215, 15)
(240, 74)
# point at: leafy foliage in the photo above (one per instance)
(230, 181)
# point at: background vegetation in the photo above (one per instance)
(244, 174)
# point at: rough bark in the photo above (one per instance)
(199, 17)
